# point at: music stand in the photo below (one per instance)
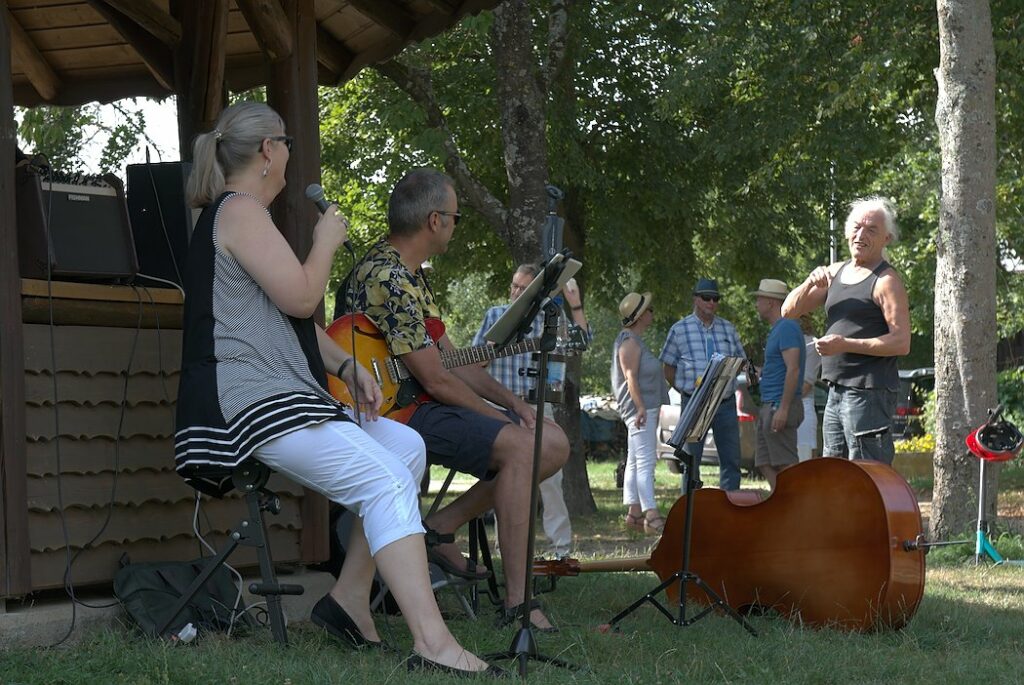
(514, 324)
(694, 421)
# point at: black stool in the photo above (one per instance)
(249, 477)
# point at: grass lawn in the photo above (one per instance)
(967, 630)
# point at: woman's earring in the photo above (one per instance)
(266, 169)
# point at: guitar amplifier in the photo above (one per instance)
(77, 225)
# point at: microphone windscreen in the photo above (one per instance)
(314, 192)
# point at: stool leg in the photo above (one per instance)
(259, 541)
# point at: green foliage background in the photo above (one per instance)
(711, 139)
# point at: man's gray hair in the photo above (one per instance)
(873, 203)
(420, 192)
(528, 268)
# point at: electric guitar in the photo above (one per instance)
(402, 394)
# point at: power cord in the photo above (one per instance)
(163, 222)
(117, 458)
(68, 588)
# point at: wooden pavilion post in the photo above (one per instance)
(199, 65)
(15, 572)
(292, 91)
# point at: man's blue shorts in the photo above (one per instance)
(459, 438)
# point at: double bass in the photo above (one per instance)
(836, 544)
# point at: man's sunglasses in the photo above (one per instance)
(710, 298)
(456, 216)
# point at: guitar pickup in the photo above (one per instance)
(376, 372)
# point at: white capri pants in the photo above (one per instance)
(373, 471)
(641, 458)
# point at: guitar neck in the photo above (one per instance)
(485, 353)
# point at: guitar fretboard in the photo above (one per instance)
(485, 353)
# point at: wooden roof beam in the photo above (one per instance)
(332, 53)
(26, 55)
(388, 14)
(149, 16)
(158, 57)
(269, 24)
(442, 6)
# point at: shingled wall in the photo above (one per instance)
(99, 446)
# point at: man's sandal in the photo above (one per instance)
(509, 615)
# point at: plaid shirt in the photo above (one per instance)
(510, 371)
(690, 344)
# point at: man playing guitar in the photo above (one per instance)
(459, 423)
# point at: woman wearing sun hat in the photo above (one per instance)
(640, 389)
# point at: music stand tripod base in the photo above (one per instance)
(694, 421)
(684, 576)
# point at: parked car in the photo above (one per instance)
(915, 384)
(746, 411)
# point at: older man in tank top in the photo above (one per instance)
(867, 319)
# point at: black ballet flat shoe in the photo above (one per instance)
(329, 615)
(471, 572)
(415, 662)
(509, 615)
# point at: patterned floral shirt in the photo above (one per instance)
(395, 299)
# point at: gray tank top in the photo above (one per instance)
(653, 389)
(850, 311)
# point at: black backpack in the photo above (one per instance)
(149, 591)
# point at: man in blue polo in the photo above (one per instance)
(782, 407)
(689, 345)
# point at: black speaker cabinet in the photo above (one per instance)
(79, 228)
(162, 221)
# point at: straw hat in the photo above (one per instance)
(632, 306)
(773, 288)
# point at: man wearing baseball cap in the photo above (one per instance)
(690, 343)
(781, 382)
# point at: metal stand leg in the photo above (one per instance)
(524, 645)
(691, 480)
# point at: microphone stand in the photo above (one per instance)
(524, 644)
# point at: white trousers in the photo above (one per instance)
(556, 515)
(373, 471)
(807, 432)
(641, 458)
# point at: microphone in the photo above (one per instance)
(315, 192)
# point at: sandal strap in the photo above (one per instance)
(432, 538)
(506, 615)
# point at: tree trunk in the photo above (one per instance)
(521, 103)
(965, 319)
(576, 482)
(522, 91)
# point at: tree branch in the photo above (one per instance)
(417, 84)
